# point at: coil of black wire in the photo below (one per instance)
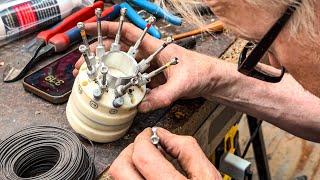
(44, 152)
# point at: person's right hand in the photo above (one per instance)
(188, 79)
(142, 160)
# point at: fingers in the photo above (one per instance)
(129, 35)
(122, 167)
(149, 161)
(159, 97)
(189, 154)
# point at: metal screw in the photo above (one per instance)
(104, 71)
(118, 102)
(97, 93)
(98, 13)
(155, 139)
(84, 50)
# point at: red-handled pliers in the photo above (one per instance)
(55, 39)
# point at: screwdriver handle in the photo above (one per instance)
(70, 21)
(62, 41)
(217, 26)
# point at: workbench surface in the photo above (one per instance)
(20, 109)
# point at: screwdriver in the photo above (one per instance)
(145, 63)
(116, 45)
(100, 50)
(134, 49)
(144, 79)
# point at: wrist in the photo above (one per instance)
(220, 77)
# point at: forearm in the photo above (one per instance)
(285, 104)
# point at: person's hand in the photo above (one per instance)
(188, 79)
(142, 160)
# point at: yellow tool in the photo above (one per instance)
(229, 143)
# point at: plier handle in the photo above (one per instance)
(151, 8)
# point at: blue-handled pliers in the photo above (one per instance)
(152, 8)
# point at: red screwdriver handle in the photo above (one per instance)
(71, 21)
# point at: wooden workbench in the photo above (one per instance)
(207, 121)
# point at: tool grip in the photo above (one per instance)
(217, 26)
(157, 11)
(70, 21)
(138, 21)
(61, 41)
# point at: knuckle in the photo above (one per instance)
(127, 26)
(190, 141)
(138, 158)
(166, 102)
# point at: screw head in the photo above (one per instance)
(82, 48)
(97, 93)
(80, 25)
(123, 11)
(155, 139)
(134, 81)
(98, 12)
(104, 70)
(118, 102)
(175, 61)
(169, 39)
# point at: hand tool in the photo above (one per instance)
(100, 49)
(146, 78)
(216, 26)
(152, 8)
(89, 61)
(21, 17)
(57, 43)
(145, 63)
(134, 49)
(157, 11)
(26, 55)
(104, 71)
(134, 17)
(116, 45)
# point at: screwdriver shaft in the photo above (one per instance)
(98, 14)
(133, 50)
(144, 64)
(83, 33)
(162, 68)
(118, 36)
(85, 52)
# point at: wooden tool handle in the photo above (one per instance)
(213, 27)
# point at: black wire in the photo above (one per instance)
(44, 152)
(251, 139)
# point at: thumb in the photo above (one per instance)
(159, 97)
(189, 154)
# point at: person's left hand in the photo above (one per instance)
(142, 160)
